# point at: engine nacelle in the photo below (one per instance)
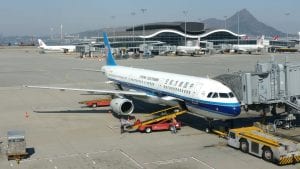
(122, 106)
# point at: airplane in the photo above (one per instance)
(204, 97)
(65, 48)
(250, 48)
(189, 50)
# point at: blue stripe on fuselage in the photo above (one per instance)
(227, 109)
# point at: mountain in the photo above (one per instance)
(247, 22)
(98, 32)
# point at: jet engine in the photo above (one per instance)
(122, 106)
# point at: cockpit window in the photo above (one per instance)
(215, 95)
(231, 95)
(223, 95)
(209, 95)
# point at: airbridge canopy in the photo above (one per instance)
(269, 83)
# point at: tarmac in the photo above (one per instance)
(61, 134)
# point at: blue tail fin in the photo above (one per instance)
(110, 61)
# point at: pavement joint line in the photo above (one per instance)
(202, 162)
(170, 161)
(133, 160)
(50, 159)
(113, 127)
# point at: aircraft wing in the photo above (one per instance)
(90, 70)
(131, 93)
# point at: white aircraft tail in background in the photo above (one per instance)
(64, 48)
(250, 48)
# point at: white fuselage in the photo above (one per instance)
(187, 49)
(247, 48)
(66, 48)
(192, 91)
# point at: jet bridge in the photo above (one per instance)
(270, 85)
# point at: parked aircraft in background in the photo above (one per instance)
(189, 49)
(241, 48)
(64, 48)
(201, 96)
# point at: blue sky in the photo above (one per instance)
(36, 17)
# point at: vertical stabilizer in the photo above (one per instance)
(110, 61)
(41, 43)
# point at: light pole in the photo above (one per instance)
(185, 14)
(143, 11)
(287, 34)
(225, 20)
(61, 31)
(133, 14)
(299, 37)
(114, 31)
(238, 19)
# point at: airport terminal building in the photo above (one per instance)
(170, 33)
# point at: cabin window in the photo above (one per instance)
(232, 135)
(231, 95)
(209, 94)
(215, 95)
(223, 95)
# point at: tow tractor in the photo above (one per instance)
(166, 120)
(96, 103)
(255, 141)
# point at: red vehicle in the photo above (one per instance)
(96, 103)
(159, 126)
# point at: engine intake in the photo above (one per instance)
(122, 106)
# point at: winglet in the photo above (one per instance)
(110, 61)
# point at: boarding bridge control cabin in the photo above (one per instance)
(269, 85)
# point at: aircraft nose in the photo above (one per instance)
(236, 110)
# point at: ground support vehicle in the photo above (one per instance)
(255, 141)
(166, 120)
(16, 145)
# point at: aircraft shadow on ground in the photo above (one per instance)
(187, 119)
(201, 123)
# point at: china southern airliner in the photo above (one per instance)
(201, 96)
